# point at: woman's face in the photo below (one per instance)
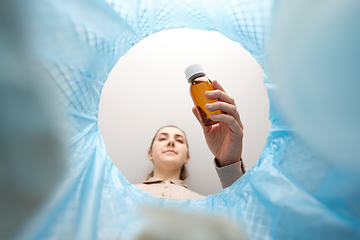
(169, 148)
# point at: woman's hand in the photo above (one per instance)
(224, 139)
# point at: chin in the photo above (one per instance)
(172, 160)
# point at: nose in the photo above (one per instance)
(171, 142)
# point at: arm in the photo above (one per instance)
(224, 139)
(230, 173)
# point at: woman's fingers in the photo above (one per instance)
(216, 85)
(233, 124)
(227, 108)
(225, 103)
(219, 93)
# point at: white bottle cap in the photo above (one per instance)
(192, 70)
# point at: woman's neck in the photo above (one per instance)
(167, 175)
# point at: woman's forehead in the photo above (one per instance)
(171, 131)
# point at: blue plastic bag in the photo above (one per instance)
(291, 193)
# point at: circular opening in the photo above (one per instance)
(147, 89)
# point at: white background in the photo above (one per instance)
(147, 89)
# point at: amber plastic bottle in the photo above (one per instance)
(199, 84)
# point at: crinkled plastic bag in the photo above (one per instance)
(291, 193)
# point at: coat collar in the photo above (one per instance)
(153, 180)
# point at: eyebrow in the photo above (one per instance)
(176, 135)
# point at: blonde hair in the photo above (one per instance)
(184, 172)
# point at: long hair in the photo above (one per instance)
(184, 172)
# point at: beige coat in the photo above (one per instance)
(176, 189)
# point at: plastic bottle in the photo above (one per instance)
(199, 84)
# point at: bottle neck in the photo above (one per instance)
(195, 76)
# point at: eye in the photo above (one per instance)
(162, 139)
(180, 141)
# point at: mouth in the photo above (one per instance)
(170, 151)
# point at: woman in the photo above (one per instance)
(169, 150)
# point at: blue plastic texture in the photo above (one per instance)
(291, 193)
